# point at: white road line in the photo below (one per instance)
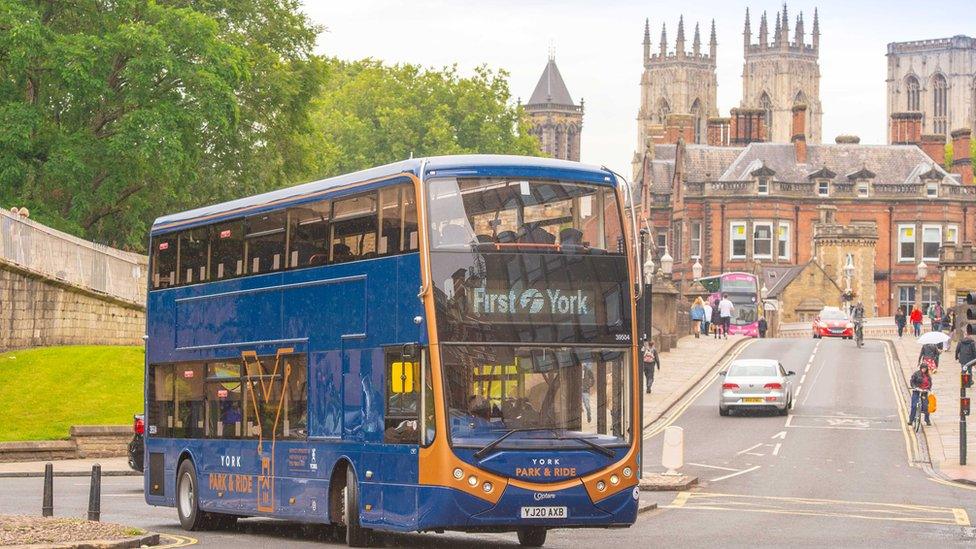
(751, 448)
(789, 418)
(712, 466)
(780, 435)
(803, 378)
(776, 449)
(742, 472)
(844, 428)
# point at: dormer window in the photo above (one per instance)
(823, 187)
(763, 175)
(861, 180)
(932, 190)
(863, 189)
(763, 185)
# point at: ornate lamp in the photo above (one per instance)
(696, 269)
(922, 270)
(667, 262)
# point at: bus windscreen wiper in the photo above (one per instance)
(494, 444)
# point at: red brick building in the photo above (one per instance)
(743, 208)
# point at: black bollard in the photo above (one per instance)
(95, 494)
(47, 507)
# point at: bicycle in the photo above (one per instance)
(923, 400)
(859, 333)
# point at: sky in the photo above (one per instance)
(598, 48)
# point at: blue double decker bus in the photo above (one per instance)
(436, 344)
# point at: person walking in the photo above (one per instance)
(763, 326)
(716, 320)
(900, 320)
(650, 360)
(922, 381)
(587, 385)
(966, 354)
(697, 315)
(930, 353)
(706, 317)
(935, 316)
(916, 318)
(725, 310)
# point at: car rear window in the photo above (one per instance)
(753, 370)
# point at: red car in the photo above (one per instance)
(833, 322)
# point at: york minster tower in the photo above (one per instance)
(781, 72)
(556, 121)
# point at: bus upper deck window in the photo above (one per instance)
(227, 250)
(164, 261)
(308, 235)
(265, 243)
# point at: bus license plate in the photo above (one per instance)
(544, 512)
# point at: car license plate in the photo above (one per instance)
(752, 400)
(544, 512)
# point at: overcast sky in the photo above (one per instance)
(598, 49)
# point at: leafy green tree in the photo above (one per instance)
(112, 112)
(370, 113)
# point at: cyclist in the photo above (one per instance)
(857, 314)
(921, 382)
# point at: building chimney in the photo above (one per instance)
(906, 128)
(748, 126)
(718, 134)
(846, 139)
(934, 146)
(800, 133)
(961, 161)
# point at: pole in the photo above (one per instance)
(95, 494)
(640, 370)
(47, 507)
(962, 419)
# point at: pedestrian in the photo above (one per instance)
(916, 318)
(922, 381)
(966, 354)
(930, 353)
(697, 316)
(950, 321)
(716, 320)
(706, 317)
(587, 384)
(725, 310)
(935, 314)
(650, 360)
(762, 326)
(900, 320)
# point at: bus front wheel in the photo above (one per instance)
(356, 535)
(532, 537)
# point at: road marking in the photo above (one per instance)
(680, 500)
(946, 516)
(749, 449)
(952, 484)
(712, 466)
(779, 435)
(803, 378)
(177, 541)
(842, 428)
(776, 449)
(742, 472)
(789, 417)
(910, 447)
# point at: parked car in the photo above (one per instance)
(833, 322)
(137, 444)
(756, 383)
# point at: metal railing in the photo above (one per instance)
(67, 258)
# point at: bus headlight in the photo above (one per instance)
(458, 473)
(487, 487)
(601, 486)
(627, 472)
(614, 479)
(473, 480)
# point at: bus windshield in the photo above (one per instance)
(551, 395)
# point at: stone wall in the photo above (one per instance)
(39, 311)
(87, 441)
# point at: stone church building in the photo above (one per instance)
(554, 118)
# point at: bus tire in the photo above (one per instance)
(356, 535)
(532, 537)
(188, 498)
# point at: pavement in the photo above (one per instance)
(114, 466)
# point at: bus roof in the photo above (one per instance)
(458, 165)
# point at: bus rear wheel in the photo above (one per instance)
(188, 503)
(532, 537)
(356, 535)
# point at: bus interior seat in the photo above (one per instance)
(571, 237)
(532, 233)
(507, 237)
(485, 238)
(341, 252)
(318, 259)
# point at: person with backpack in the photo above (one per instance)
(922, 382)
(930, 354)
(936, 313)
(649, 360)
(966, 354)
(763, 326)
(716, 319)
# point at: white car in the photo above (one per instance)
(752, 383)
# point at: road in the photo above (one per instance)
(836, 472)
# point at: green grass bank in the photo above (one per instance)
(44, 391)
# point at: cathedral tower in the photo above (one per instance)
(555, 119)
(782, 71)
(677, 84)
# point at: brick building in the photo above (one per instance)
(745, 208)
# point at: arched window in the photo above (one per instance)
(663, 110)
(801, 99)
(696, 116)
(972, 113)
(766, 104)
(940, 104)
(912, 88)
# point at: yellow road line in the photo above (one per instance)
(910, 447)
(944, 522)
(819, 501)
(177, 541)
(952, 484)
(962, 519)
(680, 499)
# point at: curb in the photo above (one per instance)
(646, 508)
(694, 381)
(646, 485)
(148, 539)
(34, 474)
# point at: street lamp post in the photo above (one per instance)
(921, 271)
(849, 276)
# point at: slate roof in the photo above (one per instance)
(777, 279)
(551, 88)
(889, 163)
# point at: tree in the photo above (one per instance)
(369, 114)
(113, 112)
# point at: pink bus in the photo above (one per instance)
(743, 292)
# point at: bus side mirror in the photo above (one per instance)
(410, 351)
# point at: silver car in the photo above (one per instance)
(756, 383)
